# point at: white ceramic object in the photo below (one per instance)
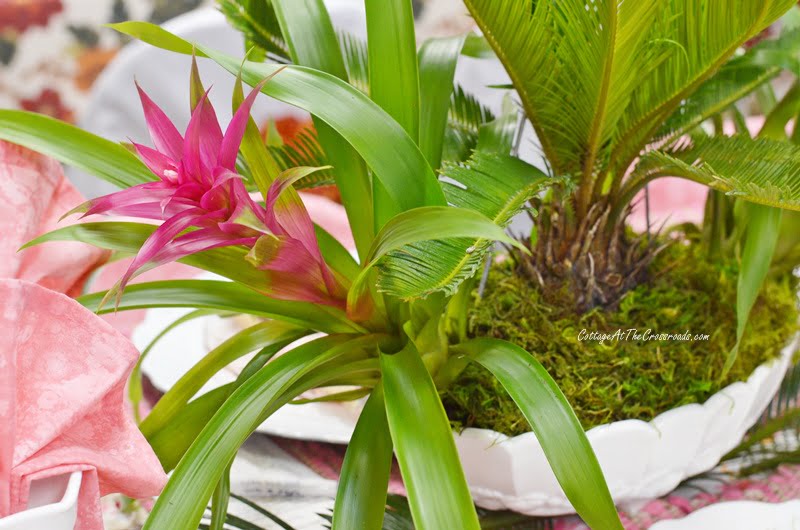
(641, 460)
(739, 515)
(52, 505)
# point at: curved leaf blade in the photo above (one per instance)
(557, 428)
(437, 67)
(184, 499)
(272, 335)
(763, 229)
(74, 146)
(424, 224)
(496, 185)
(313, 43)
(424, 445)
(224, 296)
(135, 390)
(364, 478)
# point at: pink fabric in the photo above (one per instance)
(672, 201)
(34, 194)
(62, 375)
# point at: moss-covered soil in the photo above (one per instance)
(612, 380)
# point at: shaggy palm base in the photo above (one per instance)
(627, 378)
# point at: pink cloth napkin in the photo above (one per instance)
(34, 194)
(62, 375)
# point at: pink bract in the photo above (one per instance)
(203, 204)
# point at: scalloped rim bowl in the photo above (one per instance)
(641, 460)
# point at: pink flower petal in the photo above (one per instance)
(203, 141)
(198, 241)
(287, 210)
(160, 238)
(143, 200)
(160, 164)
(294, 273)
(166, 137)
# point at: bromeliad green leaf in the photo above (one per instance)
(75, 147)
(763, 229)
(312, 41)
(557, 428)
(361, 495)
(494, 185)
(184, 499)
(393, 85)
(437, 66)
(225, 296)
(271, 334)
(758, 170)
(135, 390)
(429, 463)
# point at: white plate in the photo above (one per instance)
(739, 515)
(641, 460)
(52, 505)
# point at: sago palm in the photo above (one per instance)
(617, 93)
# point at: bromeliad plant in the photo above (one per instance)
(393, 322)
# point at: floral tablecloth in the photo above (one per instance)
(51, 51)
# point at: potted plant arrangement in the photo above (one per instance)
(616, 94)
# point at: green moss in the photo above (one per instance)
(615, 380)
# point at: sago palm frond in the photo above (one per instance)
(739, 77)
(495, 185)
(598, 78)
(464, 121)
(356, 60)
(758, 170)
(304, 151)
(695, 44)
(256, 20)
(560, 57)
(466, 112)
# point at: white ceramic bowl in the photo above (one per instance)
(739, 515)
(52, 505)
(641, 460)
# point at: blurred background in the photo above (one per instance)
(58, 58)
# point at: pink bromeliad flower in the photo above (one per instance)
(204, 204)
